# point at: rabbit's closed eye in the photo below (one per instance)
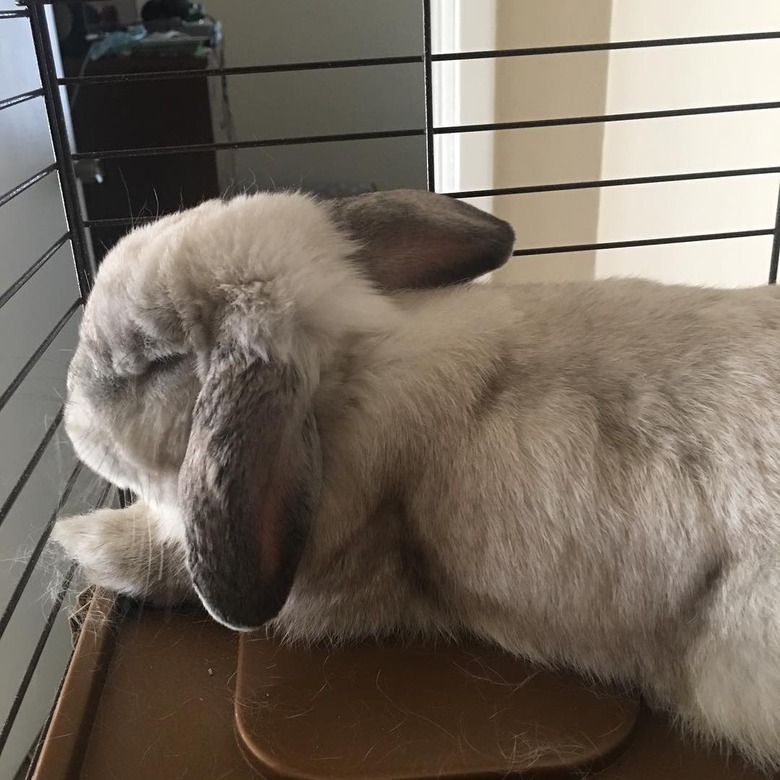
(166, 363)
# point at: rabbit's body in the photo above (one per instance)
(587, 474)
(537, 466)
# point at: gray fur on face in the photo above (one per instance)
(586, 474)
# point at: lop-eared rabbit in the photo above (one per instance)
(330, 430)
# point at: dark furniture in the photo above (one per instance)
(133, 115)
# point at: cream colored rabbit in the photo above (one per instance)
(587, 474)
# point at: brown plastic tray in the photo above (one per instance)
(417, 712)
(158, 696)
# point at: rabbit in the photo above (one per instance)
(332, 432)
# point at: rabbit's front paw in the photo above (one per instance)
(120, 549)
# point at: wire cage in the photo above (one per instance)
(75, 246)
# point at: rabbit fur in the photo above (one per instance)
(587, 474)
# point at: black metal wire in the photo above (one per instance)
(239, 70)
(22, 98)
(118, 222)
(631, 116)
(625, 182)
(33, 269)
(36, 356)
(47, 67)
(13, 602)
(223, 146)
(580, 48)
(104, 495)
(555, 250)
(36, 656)
(21, 13)
(30, 467)
(430, 156)
(429, 131)
(775, 255)
(26, 184)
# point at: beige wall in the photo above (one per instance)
(550, 86)
(683, 76)
(625, 81)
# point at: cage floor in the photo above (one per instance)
(160, 696)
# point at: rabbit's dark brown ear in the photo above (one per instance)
(249, 486)
(414, 239)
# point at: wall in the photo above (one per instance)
(625, 81)
(680, 77)
(546, 87)
(334, 101)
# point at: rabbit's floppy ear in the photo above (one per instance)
(249, 484)
(414, 239)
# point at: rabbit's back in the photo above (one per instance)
(571, 470)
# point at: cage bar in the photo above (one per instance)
(33, 269)
(630, 116)
(239, 70)
(47, 67)
(580, 48)
(13, 602)
(22, 98)
(775, 254)
(26, 184)
(626, 182)
(223, 146)
(430, 154)
(555, 250)
(36, 356)
(31, 465)
(16, 704)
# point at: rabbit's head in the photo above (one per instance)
(202, 344)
